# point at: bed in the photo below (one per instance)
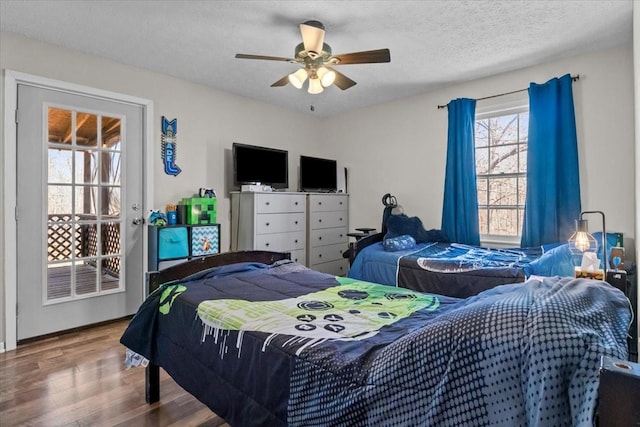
(445, 268)
(262, 340)
(405, 254)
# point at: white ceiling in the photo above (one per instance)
(433, 43)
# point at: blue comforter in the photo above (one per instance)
(284, 345)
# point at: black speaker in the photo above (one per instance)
(619, 393)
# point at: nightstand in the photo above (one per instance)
(618, 393)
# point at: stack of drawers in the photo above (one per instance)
(269, 221)
(327, 233)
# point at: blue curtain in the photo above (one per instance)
(553, 182)
(460, 207)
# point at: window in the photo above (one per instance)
(501, 166)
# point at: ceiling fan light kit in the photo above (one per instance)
(316, 59)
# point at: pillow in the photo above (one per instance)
(400, 225)
(557, 262)
(398, 243)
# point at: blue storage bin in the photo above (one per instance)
(173, 242)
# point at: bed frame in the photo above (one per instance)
(155, 278)
(362, 243)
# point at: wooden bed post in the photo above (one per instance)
(152, 383)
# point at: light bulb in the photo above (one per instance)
(326, 76)
(582, 241)
(297, 79)
(315, 87)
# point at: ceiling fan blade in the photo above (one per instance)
(365, 57)
(342, 81)
(282, 82)
(312, 37)
(268, 58)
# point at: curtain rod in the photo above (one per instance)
(573, 79)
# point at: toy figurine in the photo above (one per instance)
(157, 218)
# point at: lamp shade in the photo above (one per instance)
(581, 241)
(297, 79)
(326, 76)
(315, 87)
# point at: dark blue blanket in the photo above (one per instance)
(278, 345)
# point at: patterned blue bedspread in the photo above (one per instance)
(284, 345)
(451, 269)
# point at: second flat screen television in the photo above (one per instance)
(318, 174)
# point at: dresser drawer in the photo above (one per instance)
(298, 256)
(328, 236)
(274, 203)
(320, 254)
(285, 242)
(280, 223)
(327, 219)
(324, 203)
(337, 268)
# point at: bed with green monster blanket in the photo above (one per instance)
(279, 344)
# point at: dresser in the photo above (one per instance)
(327, 228)
(270, 221)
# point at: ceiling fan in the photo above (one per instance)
(317, 61)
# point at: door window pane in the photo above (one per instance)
(59, 126)
(86, 167)
(59, 199)
(60, 163)
(87, 130)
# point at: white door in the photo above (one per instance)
(79, 210)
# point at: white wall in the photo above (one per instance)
(400, 147)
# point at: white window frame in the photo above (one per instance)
(519, 105)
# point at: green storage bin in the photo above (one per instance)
(200, 210)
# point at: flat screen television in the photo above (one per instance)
(318, 174)
(253, 164)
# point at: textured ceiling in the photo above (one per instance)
(433, 43)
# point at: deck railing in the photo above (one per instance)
(60, 240)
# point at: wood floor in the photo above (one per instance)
(79, 379)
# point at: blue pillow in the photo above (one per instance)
(399, 243)
(400, 225)
(559, 261)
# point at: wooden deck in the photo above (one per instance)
(59, 281)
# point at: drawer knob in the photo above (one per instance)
(320, 220)
(341, 235)
(295, 203)
(266, 244)
(340, 219)
(319, 237)
(340, 202)
(319, 203)
(295, 222)
(267, 203)
(295, 241)
(267, 224)
(319, 255)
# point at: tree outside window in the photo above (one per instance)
(501, 166)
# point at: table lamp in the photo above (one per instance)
(582, 241)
